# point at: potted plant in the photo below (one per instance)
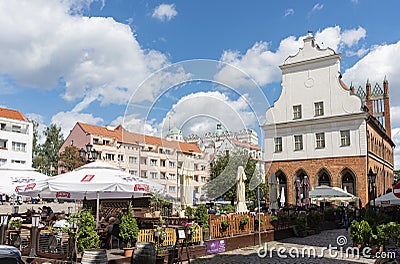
(258, 221)
(355, 233)
(189, 212)
(201, 215)
(86, 235)
(224, 225)
(15, 222)
(274, 219)
(243, 222)
(155, 204)
(190, 228)
(128, 231)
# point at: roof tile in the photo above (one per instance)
(12, 114)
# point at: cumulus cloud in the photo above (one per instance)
(381, 61)
(262, 64)
(165, 12)
(84, 55)
(67, 120)
(289, 12)
(198, 113)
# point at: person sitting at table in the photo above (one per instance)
(61, 223)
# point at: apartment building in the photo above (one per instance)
(154, 158)
(16, 137)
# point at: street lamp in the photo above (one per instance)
(3, 223)
(35, 225)
(92, 154)
(371, 183)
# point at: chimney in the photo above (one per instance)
(386, 108)
(368, 101)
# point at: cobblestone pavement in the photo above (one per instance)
(292, 248)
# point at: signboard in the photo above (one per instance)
(215, 247)
(87, 178)
(63, 195)
(141, 187)
(396, 190)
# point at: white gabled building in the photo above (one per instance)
(319, 128)
(16, 137)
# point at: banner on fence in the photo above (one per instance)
(215, 247)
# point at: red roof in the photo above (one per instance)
(12, 114)
(245, 144)
(124, 136)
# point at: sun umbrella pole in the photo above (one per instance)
(97, 207)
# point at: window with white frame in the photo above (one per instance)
(298, 142)
(320, 140)
(153, 162)
(154, 175)
(203, 179)
(278, 144)
(132, 160)
(18, 161)
(133, 172)
(172, 164)
(162, 176)
(319, 108)
(120, 157)
(203, 167)
(172, 176)
(16, 129)
(3, 161)
(109, 156)
(18, 146)
(296, 111)
(172, 189)
(345, 138)
(143, 174)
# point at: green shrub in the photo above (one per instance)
(128, 228)
(189, 212)
(229, 209)
(224, 224)
(244, 221)
(86, 236)
(201, 215)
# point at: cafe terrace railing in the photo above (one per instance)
(235, 227)
(148, 236)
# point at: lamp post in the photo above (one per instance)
(92, 154)
(35, 225)
(3, 222)
(371, 183)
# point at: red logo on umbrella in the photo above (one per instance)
(63, 195)
(30, 186)
(87, 178)
(141, 187)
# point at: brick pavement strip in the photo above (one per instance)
(295, 250)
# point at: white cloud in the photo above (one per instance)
(134, 123)
(261, 63)
(92, 55)
(396, 140)
(289, 12)
(317, 7)
(359, 53)
(381, 61)
(67, 120)
(165, 12)
(41, 125)
(199, 112)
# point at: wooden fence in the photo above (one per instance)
(235, 227)
(147, 235)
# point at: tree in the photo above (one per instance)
(396, 174)
(47, 158)
(223, 176)
(69, 158)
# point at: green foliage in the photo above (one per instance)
(155, 202)
(391, 231)
(273, 218)
(256, 222)
(229, 209)
(189, 211)
(128, 228)
(244, 221)
(315, 219)
(86, 236)
(361, 232)
(46, 159)
(201, 215)
(224, 172)
(300, 224)
(69, 158)
(224, 224)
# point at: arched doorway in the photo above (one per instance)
(324, 178)
(282, 183)
(298, 186)
(349, 181)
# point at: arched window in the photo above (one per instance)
(348, 181)
(282, 185)
(324, 178)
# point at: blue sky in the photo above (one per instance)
(64, 61)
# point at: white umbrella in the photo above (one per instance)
(273, 192)
(330, 194)
(94, 179)
(388, 199)
(13, 175)
(283, 198)
(186, 187)
(240, 191)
